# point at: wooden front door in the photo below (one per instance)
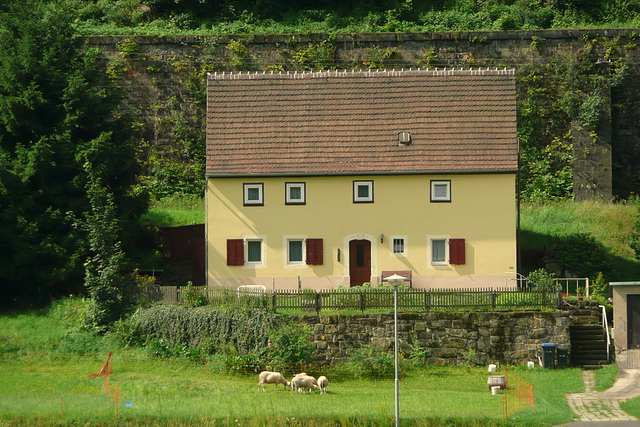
(359, 262)
(633, 321)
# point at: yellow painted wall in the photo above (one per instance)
(482, 211)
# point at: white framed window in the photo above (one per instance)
(254, 194)
(441, 191)
(438, 251)
(254, 251)
(398, 245)
(362, 191)
(295, 193)
(295, 250)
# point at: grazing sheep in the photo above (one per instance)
(323, 382)
(303, 383)
(304, 374)
(268, 377)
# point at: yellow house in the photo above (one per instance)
(327, 179)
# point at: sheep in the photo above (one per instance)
(323, 382)
(300, 383)
(268, 377)
(304, 374)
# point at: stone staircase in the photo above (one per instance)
(588, 346)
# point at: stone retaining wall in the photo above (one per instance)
(453, 338)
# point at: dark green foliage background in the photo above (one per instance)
(58, 114)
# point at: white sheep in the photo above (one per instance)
(302, 383)
(268, 377)
(323, 382)
(311, 378)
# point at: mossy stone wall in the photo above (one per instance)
(453, 338)
(165, 82)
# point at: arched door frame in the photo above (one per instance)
(374, 253)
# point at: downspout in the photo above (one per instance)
(206, 233)
(518, 257)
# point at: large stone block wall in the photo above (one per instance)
(164, 77)
(453, 338)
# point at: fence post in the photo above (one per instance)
(275, 302)
(427, 298)
(318, 302)
(362, 307)
(493, 301)
(559, 299)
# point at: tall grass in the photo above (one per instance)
(610, 223)
(175, 211)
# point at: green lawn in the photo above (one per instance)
(50, 389)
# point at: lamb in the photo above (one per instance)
(323, 382)
(268, 377)
(300, 383)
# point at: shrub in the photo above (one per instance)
(291, 343)
(371, 361)
(542, 279)
(214, 329)
(192, 297)
(582, 255)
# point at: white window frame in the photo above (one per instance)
(287, 261)
(447, 197)
(263, 252)
(360, 183)
(245, 192)
(438, 264)
(303, 193)
(404, 253)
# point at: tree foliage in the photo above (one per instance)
(253, 16)
(57, 115)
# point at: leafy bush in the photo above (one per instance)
(582, 255)
(370, 361)
(542, 279)
(214, 329)
(291, 343)
(192, 297)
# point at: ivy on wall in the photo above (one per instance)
(556, 87)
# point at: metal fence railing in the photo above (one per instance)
(365, 298)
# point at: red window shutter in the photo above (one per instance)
(456, 251)
(235, 252)
(314, 251)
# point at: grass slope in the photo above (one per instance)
(609, 223)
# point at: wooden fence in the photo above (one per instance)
(366, 298)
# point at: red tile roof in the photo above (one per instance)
(344, 122)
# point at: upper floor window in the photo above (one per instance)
(441, 191)
(296, 193)
(362, 191)
(254, 194)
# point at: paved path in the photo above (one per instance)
(605, 406)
